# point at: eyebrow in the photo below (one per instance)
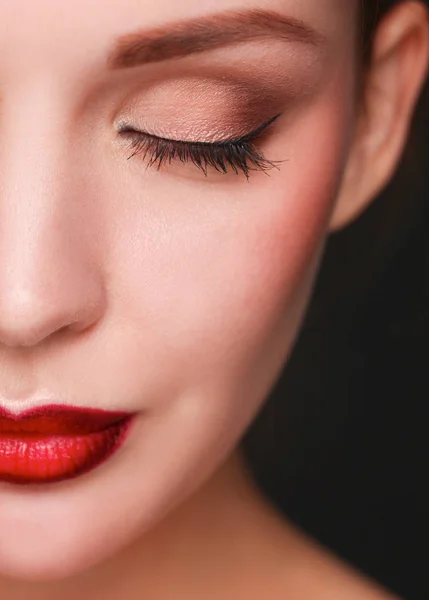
(186, 37)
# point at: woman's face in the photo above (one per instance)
(169, 293)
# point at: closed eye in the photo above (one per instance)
(237, 154)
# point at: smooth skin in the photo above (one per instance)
(171, 294)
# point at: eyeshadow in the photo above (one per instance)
(202, 109)
(220, 98)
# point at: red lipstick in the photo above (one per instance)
(53, 443)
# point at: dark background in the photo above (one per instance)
(342, 445)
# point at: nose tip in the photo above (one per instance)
(25, 325)
(29, 315)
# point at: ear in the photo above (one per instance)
(391, 87)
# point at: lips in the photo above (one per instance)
(54, 443)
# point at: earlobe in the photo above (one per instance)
(393, 83)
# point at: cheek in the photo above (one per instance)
(208, 277)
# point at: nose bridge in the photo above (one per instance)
(31, 128)
(47, 281)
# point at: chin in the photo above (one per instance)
(40, 545)
(44, 561)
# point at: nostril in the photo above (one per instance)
(30, 323)
(17, 334)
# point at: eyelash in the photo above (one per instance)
(240, 154)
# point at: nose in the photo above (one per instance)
(50, 280)
(44, 290)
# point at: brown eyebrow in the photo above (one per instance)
(183, 38)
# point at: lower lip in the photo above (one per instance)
(47, 445)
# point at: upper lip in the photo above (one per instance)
(59, 419)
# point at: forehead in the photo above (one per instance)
(36, 34)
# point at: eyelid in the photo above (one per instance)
(125, 128)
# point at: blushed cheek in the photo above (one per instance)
(251, 305)
(291, 229)
(260, 267)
